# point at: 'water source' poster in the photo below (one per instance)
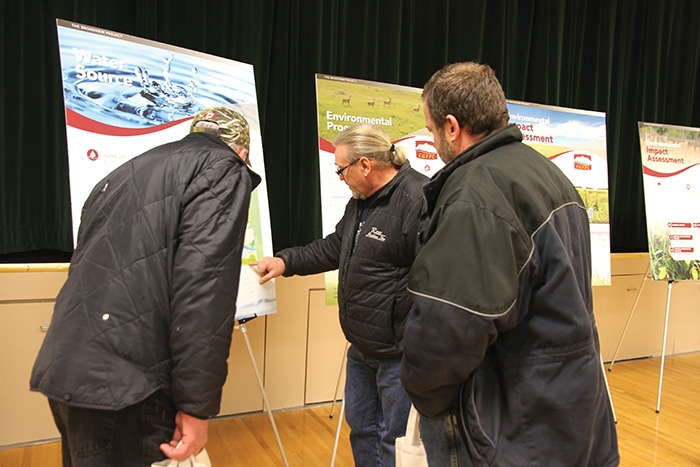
(125, 95)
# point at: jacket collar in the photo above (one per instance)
(387, 189)
(254, 177)
(506, 135)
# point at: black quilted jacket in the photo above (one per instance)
(150, 297)
(372, 297)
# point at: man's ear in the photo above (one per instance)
(365, 163)
(242, 153)
(452, 128)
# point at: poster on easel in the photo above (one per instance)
(575, 140)
(671, 178)
(343, 102)
(124, 95)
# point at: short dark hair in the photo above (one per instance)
(471, 93)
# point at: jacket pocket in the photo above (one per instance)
(480, 445)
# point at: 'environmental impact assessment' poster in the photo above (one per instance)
(671, 176)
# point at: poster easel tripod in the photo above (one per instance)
(663, 347)
(342, 405)
(242, 326)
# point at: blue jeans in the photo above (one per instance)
(443, 442)
(376, 408)
(109, 438)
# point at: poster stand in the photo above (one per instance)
(337, 432)
(342, 405)
(629, 318)
(663, 346)
(242, 326)
(340, 376)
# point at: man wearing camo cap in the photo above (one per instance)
(134, 360)
(228, 125)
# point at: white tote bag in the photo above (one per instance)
(409, 448)
(199, 460)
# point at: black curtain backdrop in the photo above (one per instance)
(635, 60)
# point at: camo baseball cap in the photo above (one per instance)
(227, 124)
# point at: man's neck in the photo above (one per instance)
(381, 178)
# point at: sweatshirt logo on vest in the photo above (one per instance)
(376, 234)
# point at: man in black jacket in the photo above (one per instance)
(502, 346)
(373, 247)
(135, 357)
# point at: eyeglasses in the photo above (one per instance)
(339, 171)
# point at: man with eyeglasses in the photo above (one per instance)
(373, 248)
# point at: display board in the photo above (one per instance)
(125, 95)
(575, 140)
(671, 177)
(343, 102)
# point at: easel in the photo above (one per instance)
(663, 347)
(342, 406)
(242, 326)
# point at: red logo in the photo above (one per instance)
(583, 162)
(92, 155)
(426, 150)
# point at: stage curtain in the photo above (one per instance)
(636, 61)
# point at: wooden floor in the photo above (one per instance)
(646, 438)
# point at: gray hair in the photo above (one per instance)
(372, 142)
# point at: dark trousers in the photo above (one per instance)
(121, 438)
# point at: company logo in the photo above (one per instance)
(583, 162)
(92, 155)
(376, 234)
(426, 150)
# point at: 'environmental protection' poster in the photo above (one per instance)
(343, 102)
(575, 140)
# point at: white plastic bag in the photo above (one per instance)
(409, 449)
(200, 460)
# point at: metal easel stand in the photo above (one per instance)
(342, 405)
(607, 388)
(337, 432)
(241, 325)
(663, 347)
(340, 376)
(629, 318)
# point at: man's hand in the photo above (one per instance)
(189, 437)
(269, 268)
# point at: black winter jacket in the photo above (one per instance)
(372, 297)
(151, 292)
(504, 332)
